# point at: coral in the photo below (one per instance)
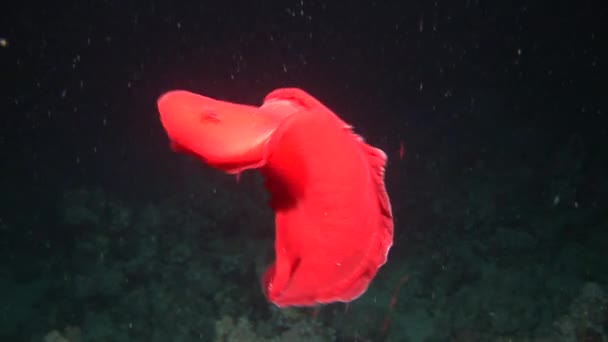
(587, 317)
(69, 334)
(227, 330)
(306, 332)
(92, 208)
(55, 336)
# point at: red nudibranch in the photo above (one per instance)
(333, 219)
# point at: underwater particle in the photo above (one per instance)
(3, 42)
